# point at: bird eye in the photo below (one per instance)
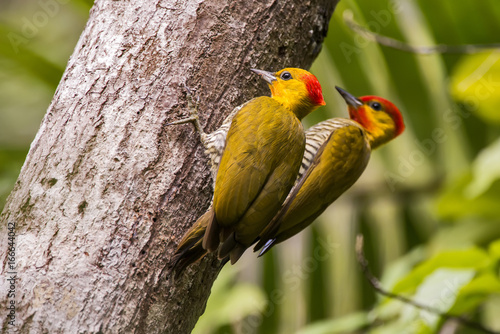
(376, 106)
(285, 76)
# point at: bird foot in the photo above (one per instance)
(207, 140)
(193, 118)
(192, 104)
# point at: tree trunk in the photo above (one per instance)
(107, 190)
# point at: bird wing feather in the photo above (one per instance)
(258, 166)
(338, 163)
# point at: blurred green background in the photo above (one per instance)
(428, 204)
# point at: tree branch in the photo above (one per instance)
(425, 50)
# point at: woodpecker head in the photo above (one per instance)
(296, 89)
(381, 119)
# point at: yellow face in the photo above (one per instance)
(381, 119)
(296, 89)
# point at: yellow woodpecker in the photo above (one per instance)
(260, 161)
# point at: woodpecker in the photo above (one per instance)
(261, 158)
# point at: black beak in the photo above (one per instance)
(350, 99)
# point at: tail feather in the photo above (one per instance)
(231, 249)
(211, 239)
(203, 238)
(267, 246)
(236, 253)
(261, 243)
(227, 246)
(190, 248)
(185, 258)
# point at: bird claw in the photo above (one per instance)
(192, 105)
(193, 111)
(195, 120)
(183, 121)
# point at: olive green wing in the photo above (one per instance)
(247, 160)
(262, 156)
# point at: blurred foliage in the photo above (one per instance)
(452, 282)
(33, 54)
(428, 203)
(230, 303)
(475, 82)
(11, 161)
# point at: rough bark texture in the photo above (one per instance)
(107, 189)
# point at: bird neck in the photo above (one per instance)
(379, 135)
(301, 107)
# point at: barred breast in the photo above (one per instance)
(316, 136)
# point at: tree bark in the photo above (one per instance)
(107, 190)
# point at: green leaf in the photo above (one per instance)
(469, 259)
(476, 292)
(494, 249)
(439, 291)
(453, 282)
(454, 202)
(475, 82)
(485, 170)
